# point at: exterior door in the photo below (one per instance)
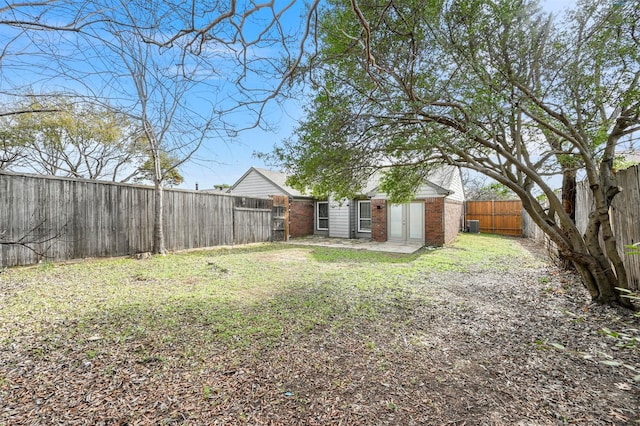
(406, 222)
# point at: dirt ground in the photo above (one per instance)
(488, 347)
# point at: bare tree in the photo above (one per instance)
(186, 73)
(21, 61)
(35, 239)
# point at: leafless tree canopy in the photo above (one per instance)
(184, 73)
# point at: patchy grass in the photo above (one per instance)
(339, 255)
(201, 312)
(228, 297)
(480, 252)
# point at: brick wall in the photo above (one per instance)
(453, 211)
(434, 234)
(301, 218)
(379, 220)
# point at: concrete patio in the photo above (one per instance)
(357, 244)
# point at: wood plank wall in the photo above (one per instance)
(496, 217)
(75, 219)
(625, 217)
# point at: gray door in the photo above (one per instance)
(406, 222)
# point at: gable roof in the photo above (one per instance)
(441, 179)
(278, 179)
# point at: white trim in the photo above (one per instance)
(324, 217)
(370, 218)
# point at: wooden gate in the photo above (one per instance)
(280, 228)
(497, 217)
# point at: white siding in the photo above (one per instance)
(425, 191)
(339, 219)
(448, 178)
(255, 185)
(456, 186)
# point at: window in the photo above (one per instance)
(323, 215)
(364, 216)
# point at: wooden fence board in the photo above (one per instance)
(625, 219)
(280, 230)
(251, 225)
(91, 219)
(496, 217)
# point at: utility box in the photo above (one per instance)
(473, 226)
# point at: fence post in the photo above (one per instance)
(493, 217)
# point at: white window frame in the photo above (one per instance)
(318, 218)
(370, 218)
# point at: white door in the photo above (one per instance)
(397, 223)
(406, 222)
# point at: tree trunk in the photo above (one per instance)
(158, 178)
(569, 186)
(158, 214)
(584, 251)
(569, 193)
(595, 269)
(595, 266)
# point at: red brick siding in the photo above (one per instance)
(453, 211)
(301, 218)
(379, 220)
(434, 234)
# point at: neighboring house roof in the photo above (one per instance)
(629, 155)
(444, 180)
(214, 190)
(277, 179)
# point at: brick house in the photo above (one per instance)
(433, 218)
(265, 183)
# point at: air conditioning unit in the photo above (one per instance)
(473, 226)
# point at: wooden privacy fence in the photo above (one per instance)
(251, 225)
(625, 217)
(496, 217)
(59, 219)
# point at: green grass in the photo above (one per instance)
(339, 255)
(189, 306)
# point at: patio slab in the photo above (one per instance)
(356, 244)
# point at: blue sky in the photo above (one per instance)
(95, 67)
(223, 162)
(227, 163)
